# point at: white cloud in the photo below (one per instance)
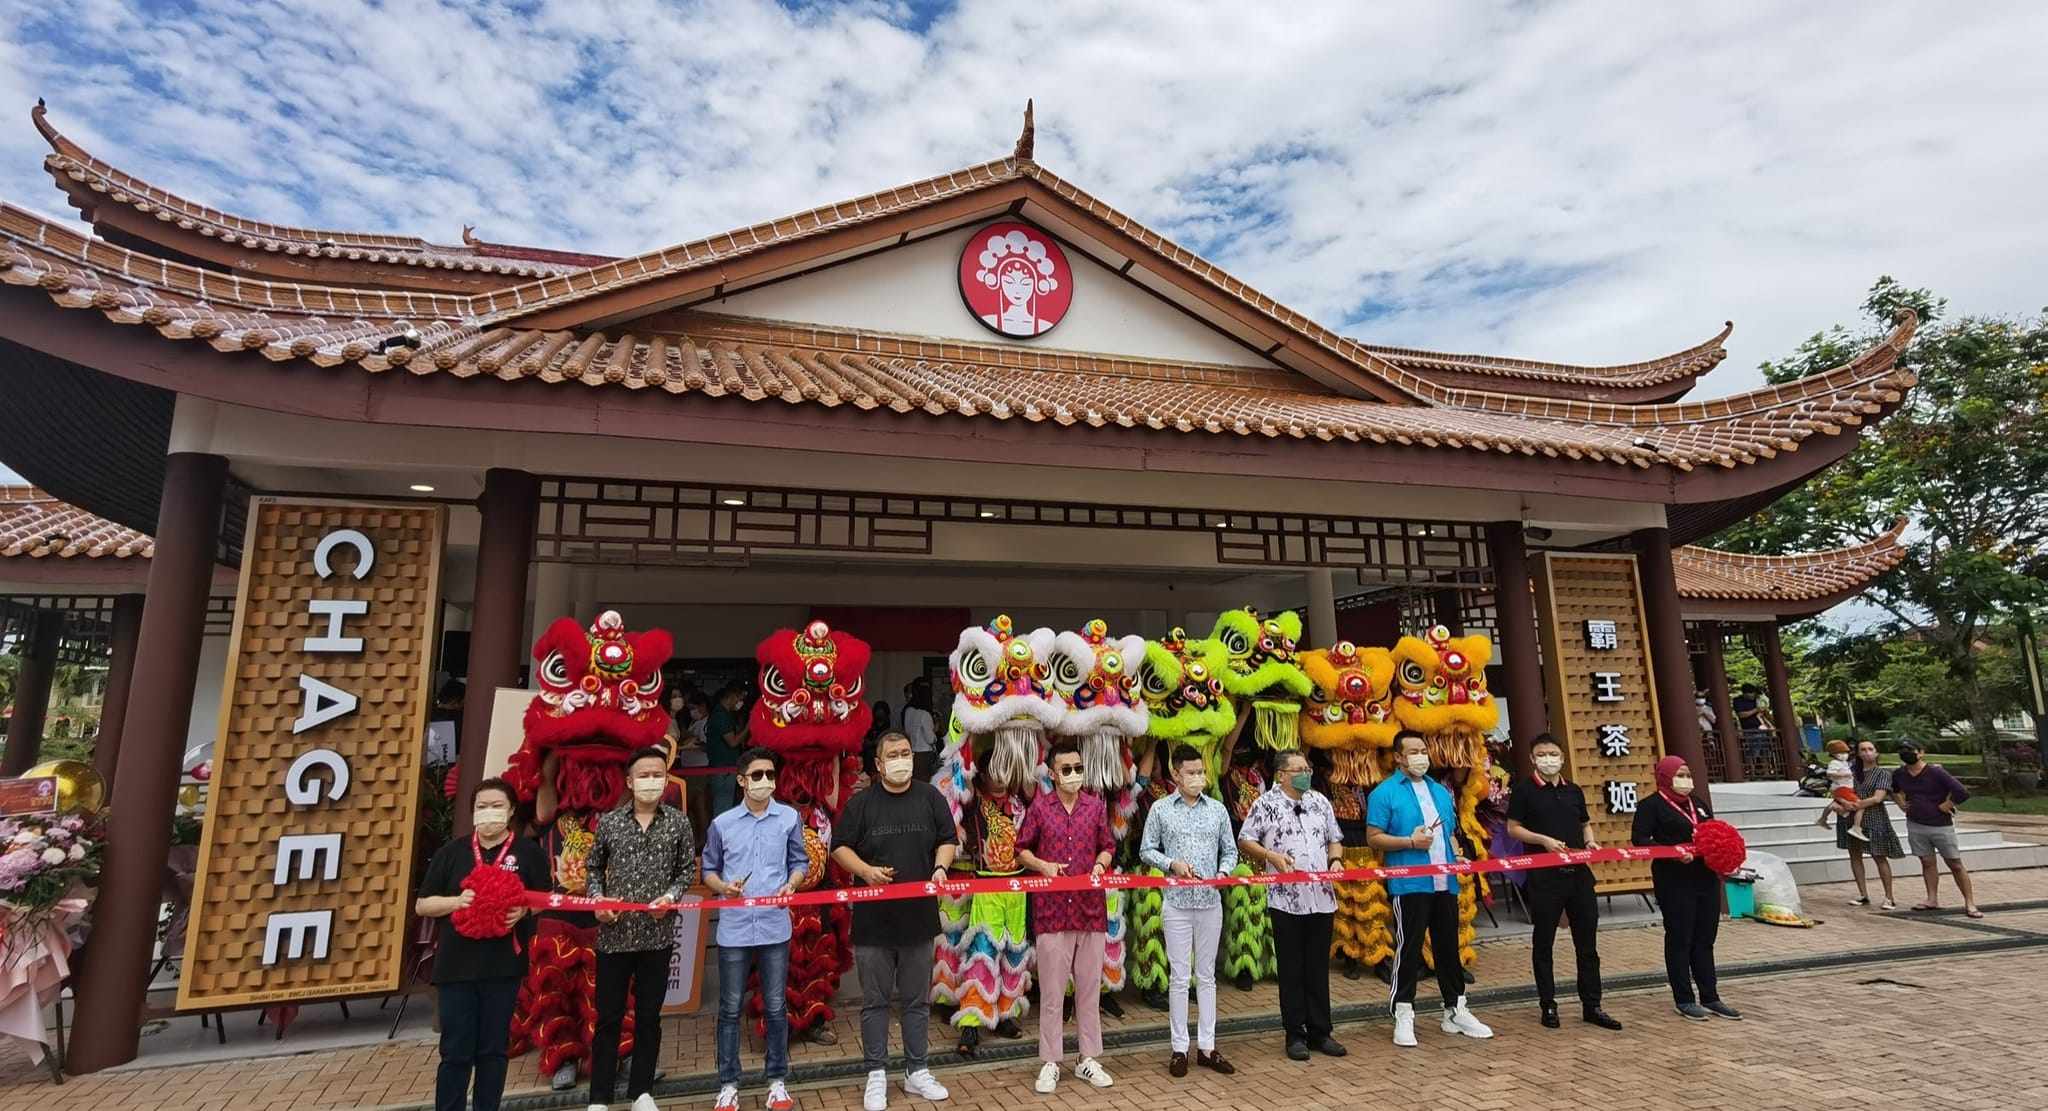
(1584, 182)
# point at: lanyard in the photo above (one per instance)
(476, 849)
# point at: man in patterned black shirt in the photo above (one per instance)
(644, 853)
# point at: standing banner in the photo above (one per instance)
(306, 862)
(1603, 700)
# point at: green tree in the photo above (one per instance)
(1965, 459)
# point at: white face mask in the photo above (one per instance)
(896, 770)
(649, 788)
(490, 821)
(1191, 783)
(760, 791)
(1071, 781)
(1550, 765)
(1682, 784)
(1417, 763)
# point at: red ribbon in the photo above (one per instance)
(1122, 881)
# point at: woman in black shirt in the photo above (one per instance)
(477, 979)
(1688, 892)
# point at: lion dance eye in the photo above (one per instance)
(773, 682)
(1236, 643)
(973, 667)
(1411, 673)
(1065, 672)
(554, 670)
(1153, 682)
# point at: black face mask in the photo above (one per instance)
(1909, 756)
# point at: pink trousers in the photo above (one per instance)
(1060, 955)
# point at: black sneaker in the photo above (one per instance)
(1550, 1021)
(1111, 1007)
(1723, 1009)
(1694, 1011)
(1600, 1018)
(1297, 1049)
(1330, 1047)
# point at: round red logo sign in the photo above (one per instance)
(1015, 279)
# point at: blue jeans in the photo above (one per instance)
(733, 963)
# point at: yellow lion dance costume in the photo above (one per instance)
(1350, 716)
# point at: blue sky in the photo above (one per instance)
(1582, 182)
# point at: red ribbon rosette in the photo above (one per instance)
(1720, 846)
(497, 890)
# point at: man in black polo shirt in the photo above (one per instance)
(1547, 812)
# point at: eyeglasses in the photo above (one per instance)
(1070, 769)
(760, 777)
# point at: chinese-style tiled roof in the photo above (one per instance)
(34, 525)
(91, 182)
(1653, 379)
(754, 361)
(1805, 577)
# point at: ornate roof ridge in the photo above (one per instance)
(1714, 574)
(1689, 363)
(36, 525)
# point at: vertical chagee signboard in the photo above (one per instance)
(305, 866)
(1603, 703)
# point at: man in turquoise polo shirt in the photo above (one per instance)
(1413, 802)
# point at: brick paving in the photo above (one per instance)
(1750, 1063)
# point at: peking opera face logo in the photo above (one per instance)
(1015, 279)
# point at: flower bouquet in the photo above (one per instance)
(44, 860)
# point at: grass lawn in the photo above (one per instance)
(2036, 803)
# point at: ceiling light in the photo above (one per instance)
(988, 513)
(421, 488)
(734, 501)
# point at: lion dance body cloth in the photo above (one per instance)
(812, 712)
(1263, 677)
(600, 699)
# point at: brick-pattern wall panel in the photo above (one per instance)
(382, 742)
(1573, 590)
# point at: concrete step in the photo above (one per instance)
(1966, 840)
(1835, 869)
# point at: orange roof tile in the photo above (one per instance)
(1689, 363)
(1712, 574)
(34, 525)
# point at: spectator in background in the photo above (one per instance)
(725, 737)
(1704, 710)
(1752, 722)
(919, 726)
(883, 723)
(1931, 796)
(1873, 785)
(691, 720)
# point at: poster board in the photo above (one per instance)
(1603, 699)
(306, 858)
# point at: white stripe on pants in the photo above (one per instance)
(1191, 937)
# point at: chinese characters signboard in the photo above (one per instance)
(1596, 649)
(305, 866)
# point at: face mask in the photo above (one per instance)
(1070, 781)
(1191, 783)
(1550, 765)
(648, 788)
(760, 792)
(1682, 784)
(896, 770)
(1300, 780)
(489, 821)
(1908, 756)
(1417, 763)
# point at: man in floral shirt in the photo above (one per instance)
(1292, 828)
(1066, 832)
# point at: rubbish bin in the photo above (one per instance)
(1741, 897)
(1810, 735)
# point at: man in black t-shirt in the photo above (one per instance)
(1547, 812)
(899, 830)
(477, 979)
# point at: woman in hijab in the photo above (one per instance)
(1688, 892)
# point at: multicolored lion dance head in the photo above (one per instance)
(1181, 681)
(1010, 688)
(1265, 669)
(600, 699)
(1106, 710)
(1441, 685)
(1350, 713)
(811, 711)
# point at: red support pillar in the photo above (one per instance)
(1515, 610)
(1673, 670)
(111, 986)
(32, 694)
(1783, 715)
(1449, 604)
(121, 640)
(510, 506)
(1714, 665)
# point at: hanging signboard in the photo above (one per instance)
(305, 863)
(1596, 653)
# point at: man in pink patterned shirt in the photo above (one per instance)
(1066, 832)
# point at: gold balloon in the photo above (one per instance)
(80, 790)
(188, 796)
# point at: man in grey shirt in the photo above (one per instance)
(1187, 835)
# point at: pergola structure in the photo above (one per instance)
(722, 432)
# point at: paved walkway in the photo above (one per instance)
(1784, 1057)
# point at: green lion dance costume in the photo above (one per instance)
(1263, 677)
(1350, 716)
(1440, 685)
(1179, 680)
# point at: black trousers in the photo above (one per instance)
(1692, 917)
(476, 1020)
(1434, 913)
(1557, 891)
(647, 971)
(1301, 942)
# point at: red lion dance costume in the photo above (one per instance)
(600, 700)
(811, 711)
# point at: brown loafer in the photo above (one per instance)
(1215, 1062)
(1177, 1065)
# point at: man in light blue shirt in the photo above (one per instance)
(756, 848)
(1411, 819)
(1187, 834)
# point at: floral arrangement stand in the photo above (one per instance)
(47, 864)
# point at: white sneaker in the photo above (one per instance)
(876, 1097)
(1092, 1071)
(1048, 1079)
(777, 1099)
(597, 1107)
(645, 1103)
(728, 1098)
(1459, 1020)
(924, 1085)
(1404, 1024)
(1858, 834)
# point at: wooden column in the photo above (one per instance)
(1714, 669)
(121, 640)
(112, 984)
(1449, 605)
(32, 694)
(1668, 654)
(1779, 682)
(1322, 607)
(1515, 610)
(510, 505)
